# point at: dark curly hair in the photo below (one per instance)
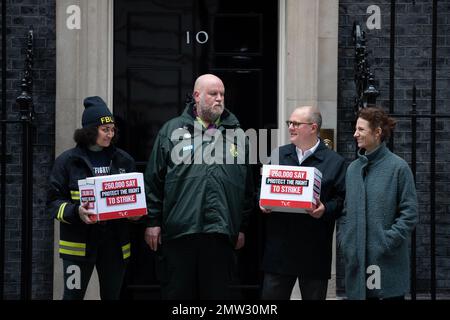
(377, 117)
(86, 137)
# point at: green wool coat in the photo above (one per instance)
(379, 215)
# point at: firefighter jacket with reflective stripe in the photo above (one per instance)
(78, 241)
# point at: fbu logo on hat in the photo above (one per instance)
(96, 112)
(105, 120)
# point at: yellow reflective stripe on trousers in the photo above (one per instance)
(72, 248)
(75, 195)
(60, 215)
(72, 252)
(126, 252)
(72, 244)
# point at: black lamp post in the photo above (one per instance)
(26, 111)
(371, 93)
(366, 92)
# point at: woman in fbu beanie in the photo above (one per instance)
(85, 243)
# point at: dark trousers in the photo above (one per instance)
(110, 268)
(197, 267)
(279, 287)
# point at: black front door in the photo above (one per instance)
(160, 48)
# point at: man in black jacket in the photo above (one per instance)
(299, 246)
(198, 202)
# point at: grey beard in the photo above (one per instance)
(209, 115)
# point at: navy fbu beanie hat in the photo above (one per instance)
(96, 112)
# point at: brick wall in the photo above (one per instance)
(413, 64)
(20, 15)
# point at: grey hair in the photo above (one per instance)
(316, 117)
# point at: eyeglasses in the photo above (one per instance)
(296, 124)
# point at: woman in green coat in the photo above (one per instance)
(380, 214)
